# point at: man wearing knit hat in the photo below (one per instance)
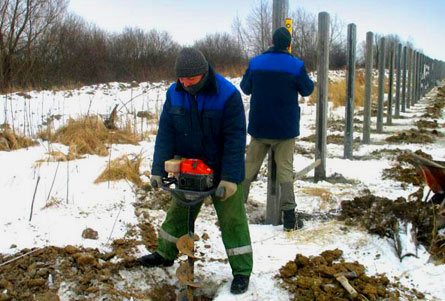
(274, 79)
(203, 117)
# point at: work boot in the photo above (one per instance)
(154, 260)
(240, 284)
(290, 221)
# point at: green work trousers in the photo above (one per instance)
(234, 230)
(284, 159)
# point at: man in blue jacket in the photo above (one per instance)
(274, 79)
(203, 118)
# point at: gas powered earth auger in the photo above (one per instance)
(190, 181)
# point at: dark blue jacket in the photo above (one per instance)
(210, 126)
(274, 79)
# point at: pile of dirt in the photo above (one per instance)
(435, 109)
(404, 170)
(338, 125)
(314, 278)
(384, 217)
(332, 139)
(81, 273)
(420, 136)
(430, 124)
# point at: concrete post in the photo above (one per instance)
(350, 92)
(398, 77)
(368, 88)
(392, 53)
(322, 101)
(381, 85)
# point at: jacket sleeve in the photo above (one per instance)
(305, 85)
(234, 132)
(246, 82)
(165, 142)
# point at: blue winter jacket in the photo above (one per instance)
(274, 80)
(210, 126)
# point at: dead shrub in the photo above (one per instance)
(9, 140)
(125, 167)
(58, 156)
(88, 135)
(337, 91)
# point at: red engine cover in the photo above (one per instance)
(195, 166)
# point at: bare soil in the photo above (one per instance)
(314, 278)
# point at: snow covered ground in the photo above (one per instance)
(107, 207)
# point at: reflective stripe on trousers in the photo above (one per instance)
(239, 251)
(167, 236)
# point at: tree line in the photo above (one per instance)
(42, 45)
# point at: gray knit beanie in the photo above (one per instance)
(281, 38)
(190, 62)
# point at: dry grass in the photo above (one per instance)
(52, 202)
(337, 92)
(58, 156)
(125, 167)
(10, 140)
(327, 201)
(88, 135)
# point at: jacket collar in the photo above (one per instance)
(210, 86)
(276, 50)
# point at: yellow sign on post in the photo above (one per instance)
(288, 25)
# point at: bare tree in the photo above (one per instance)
(259, 27)
(304, 37)
(222, 51)
(240, 35)
(22, 23)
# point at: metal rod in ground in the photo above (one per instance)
(368, 87)
(21, 256)
(398, 77)
(322, 101)
(350, 88)
(381, 85)
(33, 197)
(52, 184)
(391, 83)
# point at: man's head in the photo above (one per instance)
(281, 38)
(190, 63)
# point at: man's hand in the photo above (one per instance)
(156, 181)
(225, 190)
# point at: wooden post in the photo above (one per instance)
(368, 88)
(322, 101)
(350, 89)
(403, 104)
(398, 74)
(381, 85)
(273, 206)
(392, 53)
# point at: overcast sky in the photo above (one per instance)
(421, 22)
